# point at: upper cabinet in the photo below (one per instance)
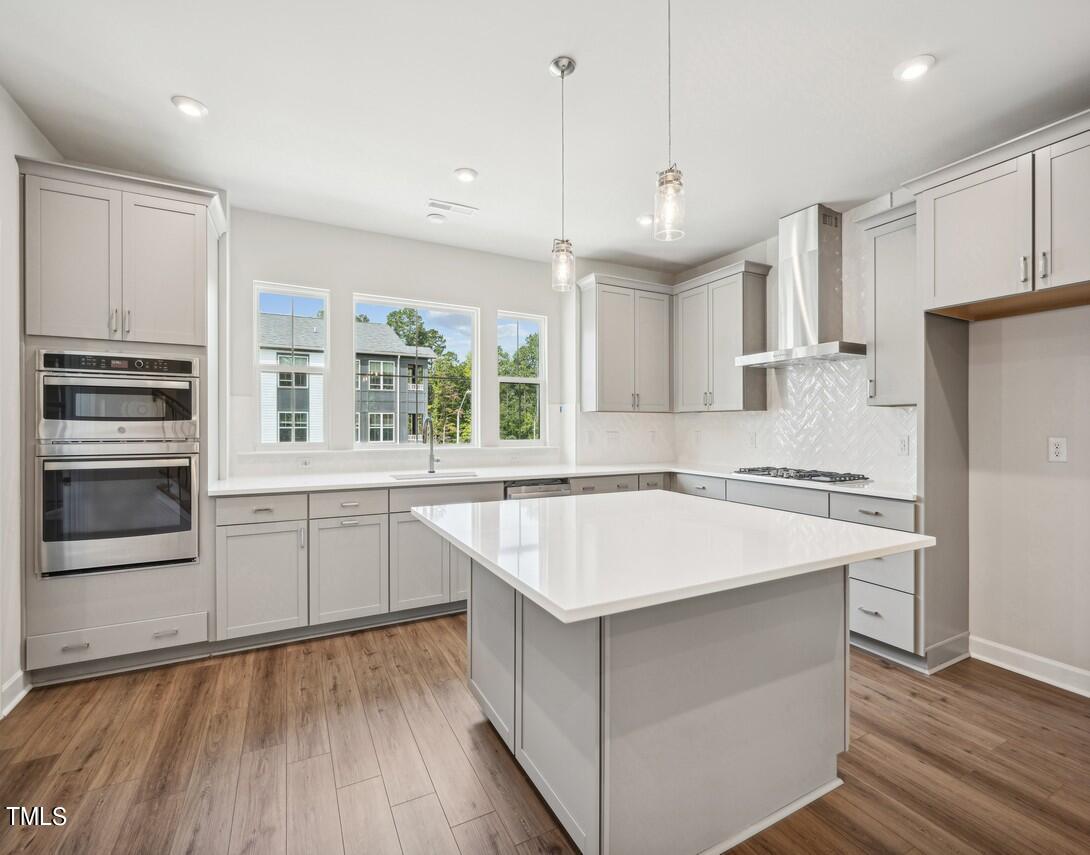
(625, 346)
(718, 317)
(117, 258)
(1004, 232)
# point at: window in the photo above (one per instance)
(420, 361)
(357, 427)
(291, 332)
(381, 373)
(359, 374)
(292, 427)
(520, 366)
(380, 427)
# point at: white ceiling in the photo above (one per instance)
(356, 112)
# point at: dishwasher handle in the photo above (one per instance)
(537, 489)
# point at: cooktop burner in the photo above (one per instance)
(802, 474)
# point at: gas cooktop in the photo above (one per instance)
(802, 474)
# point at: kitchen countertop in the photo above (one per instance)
(581, 557)
(314, 482)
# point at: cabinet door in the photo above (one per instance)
(419, 564)
(616, 337)
(1062, 211)
(261, 578)
(165, 270)
(976, 235)
(725, 343)
(492, 650)
(349, 568)
(691, 350)
(652, 352)
(894, 351)
(459, 574)
(73, 259)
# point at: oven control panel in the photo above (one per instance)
(116, 362)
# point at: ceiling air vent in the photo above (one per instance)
(451, 207)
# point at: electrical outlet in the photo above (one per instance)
(753, 439)
(903, 445)
(304, 462)
(1057, 449)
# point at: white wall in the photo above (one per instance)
(1029, 520)
(17, 136)
(267, 247)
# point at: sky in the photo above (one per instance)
(456, 327)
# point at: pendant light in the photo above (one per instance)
(670, 193)
(563, 257)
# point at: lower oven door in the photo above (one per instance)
(115, 512)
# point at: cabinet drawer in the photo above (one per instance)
(606, 484)
(882, 614)
(62, 648)
(349, 503)
(652, 482)
(800, 500)
(236, 510)
(700, 485)
(893, 571)
(887, 513)
(405, 498)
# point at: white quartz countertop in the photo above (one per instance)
(358, 480)
(583, 557)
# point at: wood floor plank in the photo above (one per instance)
(266, 719)
(150, 825)
(18, 726)
(307, 735)
(550, 843)
(127, 756)
(367, 823)
(60, 725)
(403, 770)
(220, 749)
(354, 757)
(260, 817)
(99, 819)
(204, 824)
(422, 827)
(314, 826)
(484, 835)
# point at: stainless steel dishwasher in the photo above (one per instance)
(518, 490)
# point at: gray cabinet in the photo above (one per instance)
(604, 484)
(73, 259)
(975, 235)
(459, 574)
(799, 500)
(894, 348)
(349, 567)
(1062, 212)
(691, 330)
(261, 578)
(653, 481)
(419, 564)
(492, 650)
(624, 347)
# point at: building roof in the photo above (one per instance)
(309, 334)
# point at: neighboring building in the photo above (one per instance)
(391, 382)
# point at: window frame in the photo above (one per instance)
(382, 376)
(541, 380)
(260, 287)
(381, 428)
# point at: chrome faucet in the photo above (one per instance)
(429, 437)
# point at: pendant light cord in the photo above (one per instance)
(563, 174)
(669, 88)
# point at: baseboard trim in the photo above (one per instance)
(1058, 674)
(937, 657)
(14, 690)
(773, 818)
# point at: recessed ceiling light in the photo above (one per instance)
(436, 218)
(190, 106)
(915, 68)
(645, 219)
(465, 174)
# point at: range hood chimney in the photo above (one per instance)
(811, 309)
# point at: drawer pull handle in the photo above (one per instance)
(699, 487)
(263, 510)
(164, 633)
(871, 612)
(587, 489)
(870, 513)
(350, 504)
(622, 486)
(350, 522)
(82, 646)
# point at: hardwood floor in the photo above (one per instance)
(371, 743)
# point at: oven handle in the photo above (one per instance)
(131, 382)
(113, 463)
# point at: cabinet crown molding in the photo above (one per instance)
(593, 280)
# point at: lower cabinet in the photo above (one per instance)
(460, 564)
(261, 578)
(349, 568)
(419, 564)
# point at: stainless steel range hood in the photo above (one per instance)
(810, 302)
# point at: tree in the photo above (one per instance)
(448, 383)
(520, 416)
(362, 318)
(409, 326)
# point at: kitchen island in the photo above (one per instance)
(671, 673)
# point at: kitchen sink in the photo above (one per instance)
(417, 476)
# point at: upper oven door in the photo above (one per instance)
(89, 407)
(103, 513)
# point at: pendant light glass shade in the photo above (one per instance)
(563, 265)
(670, 205)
